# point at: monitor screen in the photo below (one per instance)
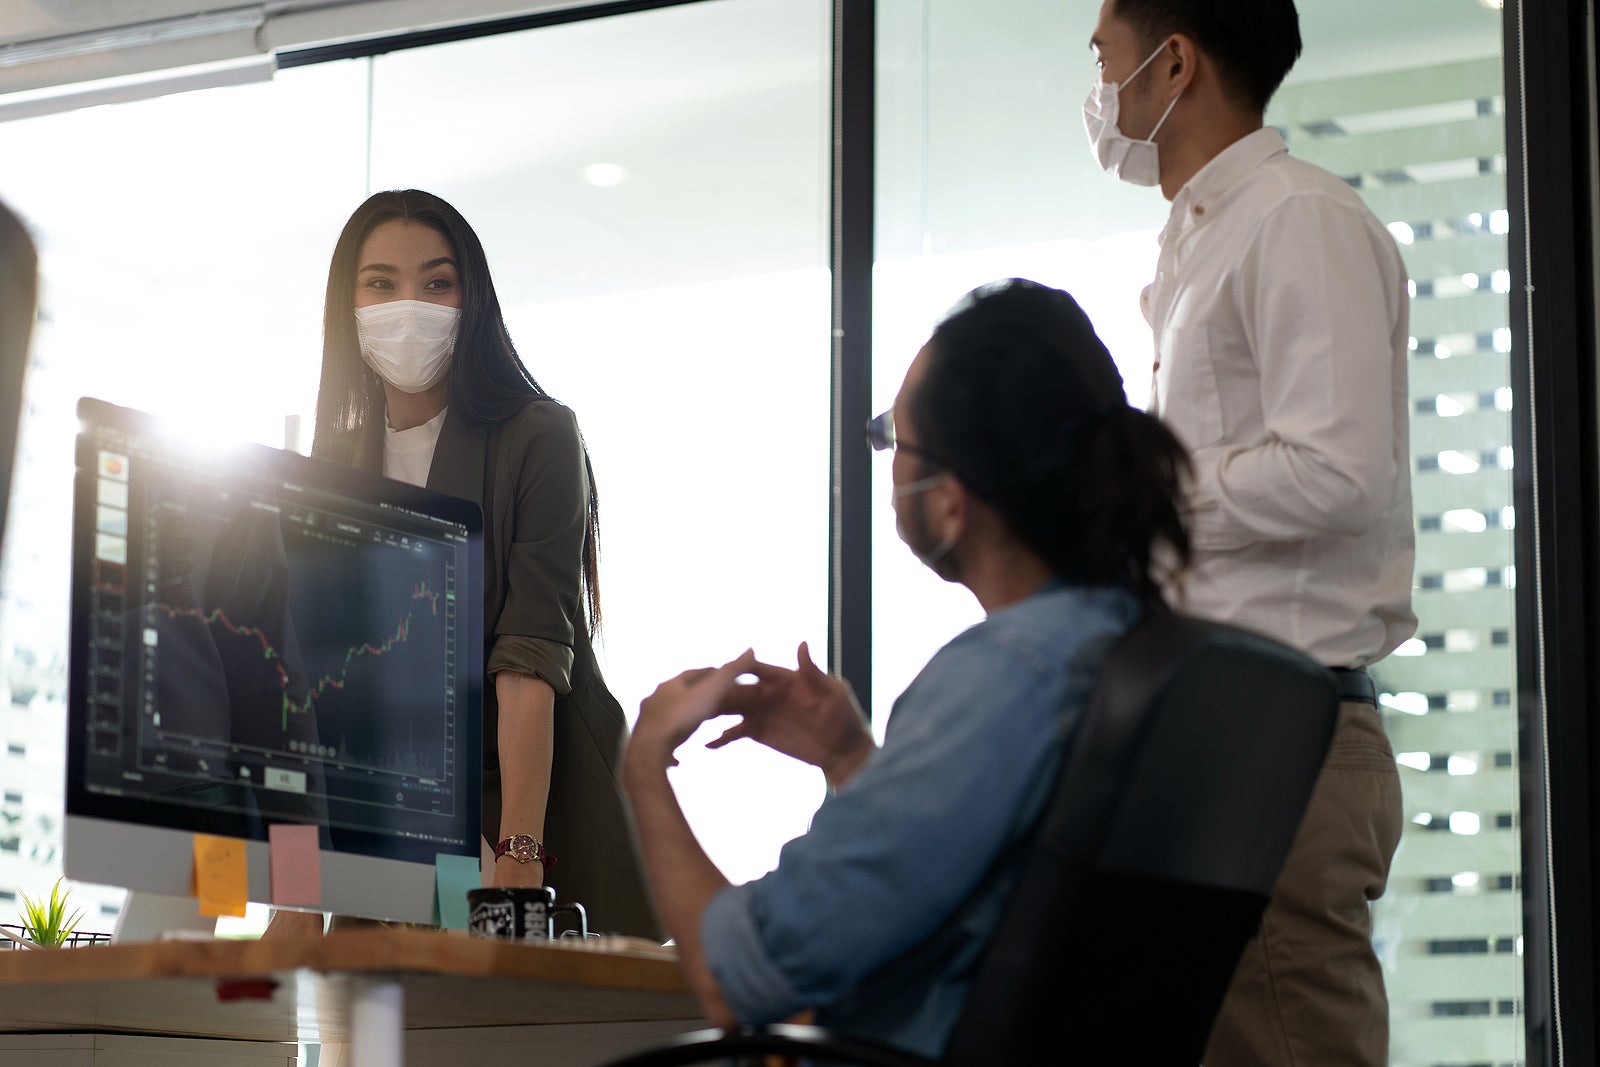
(262, 638)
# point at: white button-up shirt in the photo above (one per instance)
(1280, 316)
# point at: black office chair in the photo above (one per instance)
(1174, 811)
(18, 306)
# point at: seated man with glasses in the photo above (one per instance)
(1021, 473)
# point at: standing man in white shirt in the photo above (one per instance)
(1280, 313)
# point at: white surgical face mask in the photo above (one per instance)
(408, 342)
(1135, 162)
(938, 551)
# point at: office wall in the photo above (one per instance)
(650, 192)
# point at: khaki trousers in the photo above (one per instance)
(1309, 990)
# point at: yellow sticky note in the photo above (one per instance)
(221, 877)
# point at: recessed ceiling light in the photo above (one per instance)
(605, 175)
(1493, 5)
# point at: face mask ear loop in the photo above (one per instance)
(938, 552)
(1163, 120)
(918, 486)
(1140, 68)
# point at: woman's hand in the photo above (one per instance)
(508, 872)
(284, 923)
(804, 713)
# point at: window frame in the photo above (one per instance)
(1550, 79)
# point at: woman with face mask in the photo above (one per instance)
(420, 381)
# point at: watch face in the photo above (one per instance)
(523, 847)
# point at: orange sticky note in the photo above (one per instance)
(296, 864)
(221, 878)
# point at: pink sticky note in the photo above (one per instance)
(295, 864)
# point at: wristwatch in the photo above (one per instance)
(525, 849)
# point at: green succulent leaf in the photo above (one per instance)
(47, 922)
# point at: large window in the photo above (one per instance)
(983, 172)
(651, 193)
(182, 255)
(1425, 145)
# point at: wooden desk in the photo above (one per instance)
(313, 989)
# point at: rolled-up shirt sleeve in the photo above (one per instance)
(550, 661)
(750, 981)
(543, 610)
(895, 852)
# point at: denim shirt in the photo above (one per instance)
(879, 915)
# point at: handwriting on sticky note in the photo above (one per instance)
(221, 878)
(295, 863)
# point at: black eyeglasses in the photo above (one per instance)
(881, 436)
(880, 432)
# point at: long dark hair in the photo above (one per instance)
(488, 381)
(1022, 403)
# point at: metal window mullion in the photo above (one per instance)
(851, 215)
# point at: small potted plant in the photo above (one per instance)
(46, 922)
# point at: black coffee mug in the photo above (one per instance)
(521, 913)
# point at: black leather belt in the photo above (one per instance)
(1355, 684)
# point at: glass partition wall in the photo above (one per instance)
(984, 172)
(1425, 145)
(652, 192)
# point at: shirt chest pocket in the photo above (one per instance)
(1186, 386)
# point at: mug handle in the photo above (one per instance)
(573, 908)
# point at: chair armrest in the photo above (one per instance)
(811, 1042)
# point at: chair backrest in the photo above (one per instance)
(1173, 813)
(18, 305)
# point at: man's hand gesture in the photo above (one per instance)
(803, 713)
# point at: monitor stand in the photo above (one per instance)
(156, 916)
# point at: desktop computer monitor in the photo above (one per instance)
(262, 638)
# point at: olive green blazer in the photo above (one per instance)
(528, 475)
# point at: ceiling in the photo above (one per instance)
(1393, 33)
(718, 110)
(47, 43)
